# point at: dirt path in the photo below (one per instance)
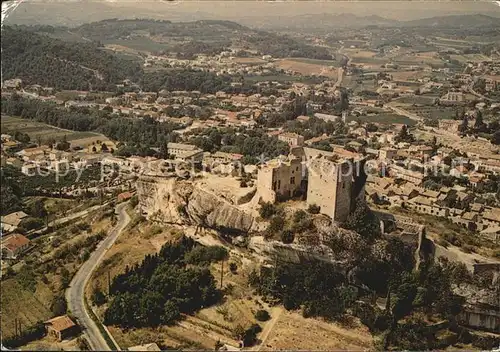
(275, 316)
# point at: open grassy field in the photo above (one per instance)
(40, 131)
(278, 78)
(26, 306)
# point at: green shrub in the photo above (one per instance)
(201, 255)
(313, 209)
(267, 210)
(262, 315)
(287, 237)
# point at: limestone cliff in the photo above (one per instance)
(183, 202)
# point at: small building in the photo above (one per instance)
(178, 148)
(11, 221)
(492, 217)
(61, 327)
(279, 179)
(293, 139)
(124, 196)
(387, 153)
(452, 98)
(14, 245)
(146, 347)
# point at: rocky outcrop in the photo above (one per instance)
(172, 200)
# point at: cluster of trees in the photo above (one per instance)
(363, 221)
(317, 287)
(490, 130)
(163, 286)
(283, 46)
(251, 143)
(190, 50)
(404, 135)
(39, 59)
(321, 289)
(146, 131)
(185, 79)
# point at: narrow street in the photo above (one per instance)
(75, 294)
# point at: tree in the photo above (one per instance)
(287, 236)
(313, 209)
(37, 209)
(363, 221)
(404, 135)
(98, 298)
(464, 126)
(495, 139)
(479, 124)
(58, 306)
(276, 224)
(65, 277)
(171, 312)
(262, 315)
(104, 147)
(267, 210)
(233, 267)
(63, 144)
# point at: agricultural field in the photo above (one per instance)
(27, 306)
(417, 99)
(40, 132)
(280, 78)
(28, 296)
(249, 60)
(384, 118)
(143, 44)
(433, 112)
(316, 62)
(427, 58)
(307, 69)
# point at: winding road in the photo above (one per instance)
(75, 294)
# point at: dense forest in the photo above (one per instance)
(163, 286)
(38, 59)
(145, 131)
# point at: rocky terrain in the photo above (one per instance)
(182, 202)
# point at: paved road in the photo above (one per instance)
(76, 291)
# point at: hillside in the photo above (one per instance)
(459, 21)
(39, 59)
(206, 35)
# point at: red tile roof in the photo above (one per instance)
(15, 242)
(61, 323)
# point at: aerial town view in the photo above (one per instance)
(248, 175)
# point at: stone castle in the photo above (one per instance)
(334, 181)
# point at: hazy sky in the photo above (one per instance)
(75, 12)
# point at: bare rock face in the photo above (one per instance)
(175, 201)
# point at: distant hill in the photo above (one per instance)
(39, 59)
(206, 35)
(331, 21)
(460, 21)
(326, 20)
